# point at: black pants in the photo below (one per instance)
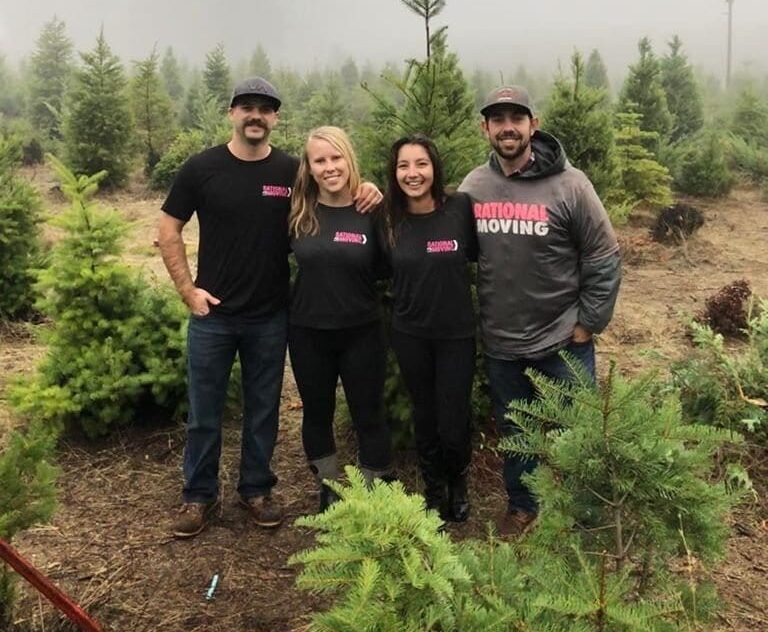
(438, 375)
(357, 355)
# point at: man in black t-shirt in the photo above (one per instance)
(241, 194)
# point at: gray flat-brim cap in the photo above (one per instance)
(257, 87)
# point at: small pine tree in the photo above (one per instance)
(259, 64)
(643, 94)
(152, 112)
(641, 179)
(97, 122)
(50, 71)
(727, 387)
(701, 166)
(19, 234)
(595, 72)
(27, 492)
(750, 118)
(216, 77)
(381, 553)
(682, 92)
(116, 343)
(186, 144)
(619, 464)
(576, 116)
(171, 75)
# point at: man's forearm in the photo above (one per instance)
(174, 256)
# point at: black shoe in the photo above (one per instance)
(458, 499)
(327, 497)
(436, 498)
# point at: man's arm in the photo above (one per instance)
(600, 265)
(175, 259)
(367, 197)
(600, 281)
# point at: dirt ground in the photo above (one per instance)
(108, 544)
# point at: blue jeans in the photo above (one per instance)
(212, 343)
(507, 381)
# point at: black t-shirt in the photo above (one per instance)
(430, 276)
(242, 207)
(337, 270)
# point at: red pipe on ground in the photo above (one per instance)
(42, 584)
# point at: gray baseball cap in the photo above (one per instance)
(508, 95)
(257, 87)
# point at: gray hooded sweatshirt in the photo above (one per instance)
(548, 257)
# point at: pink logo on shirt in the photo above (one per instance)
(344, 237)
(442, 245)
(275, 190)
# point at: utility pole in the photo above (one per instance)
(730, 44)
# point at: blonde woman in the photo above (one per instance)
(335, 319)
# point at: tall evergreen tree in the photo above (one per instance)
(193, 99)
(643, 94)
(259, 64)
(216, 76)
(433, 98)
(427, 9)
(576, 116)
(171, 75)
(50, 70)
(595, 72)
(350, 75)
(328, 106)
(152, 111)
(11, 102)
(682, 92)
(482, 82)
(97, 121)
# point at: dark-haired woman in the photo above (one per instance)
(430, 237)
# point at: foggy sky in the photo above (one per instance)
(497, 35)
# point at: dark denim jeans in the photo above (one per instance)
(212, 343)
(507, 381)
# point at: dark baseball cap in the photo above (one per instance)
(508, 95)
(256, 87)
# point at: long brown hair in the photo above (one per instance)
(396, 201)
(303, 217)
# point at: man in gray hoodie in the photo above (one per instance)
(548, 269)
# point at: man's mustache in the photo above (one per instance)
(254, 123)
(512, 135)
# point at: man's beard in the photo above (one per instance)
(523, 144)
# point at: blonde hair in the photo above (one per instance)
(303, 217)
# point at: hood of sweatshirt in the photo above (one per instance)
(549, 158)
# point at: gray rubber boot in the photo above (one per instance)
(326, 469)
(387, 475)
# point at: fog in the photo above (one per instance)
(497, 35)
